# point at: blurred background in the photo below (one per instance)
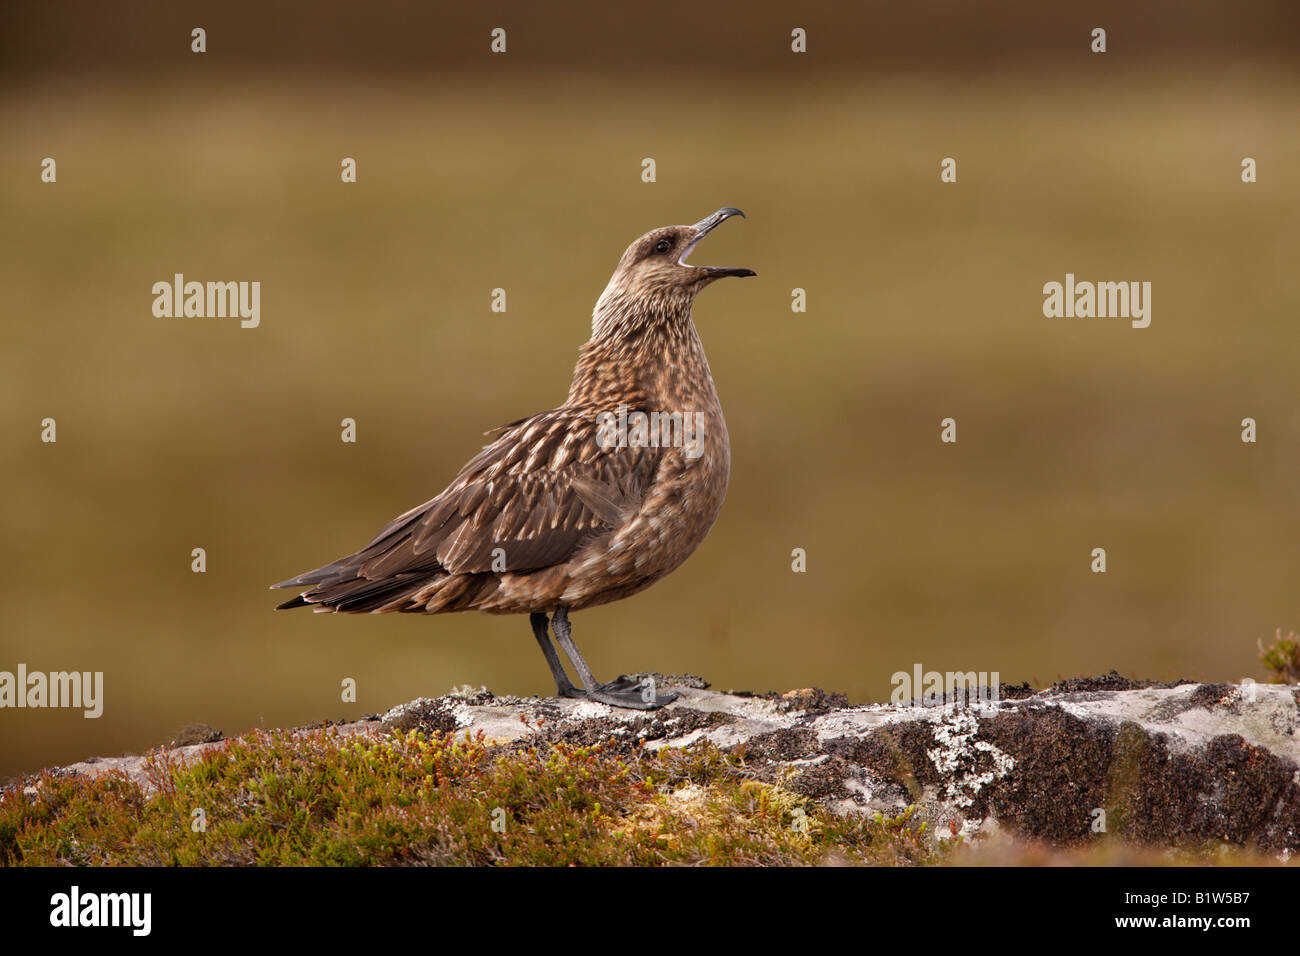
(523, 171)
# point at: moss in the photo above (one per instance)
(438, 798)
(195, 734)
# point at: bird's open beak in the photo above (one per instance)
(702, 229)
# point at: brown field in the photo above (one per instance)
(924, 302)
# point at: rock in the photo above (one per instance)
(1165, 764)
(196, 734)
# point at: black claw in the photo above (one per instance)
(630, 698)
(621, 682)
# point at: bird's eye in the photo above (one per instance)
(663, 245)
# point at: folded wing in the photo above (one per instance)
(529, 501)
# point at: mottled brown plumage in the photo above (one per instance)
(554, 515)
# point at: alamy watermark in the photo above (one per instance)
(939, 688)
(210, 300)
(1118, 300)
(76, 689)
(625, 429)
(74, 908)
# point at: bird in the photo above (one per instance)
(581, 505)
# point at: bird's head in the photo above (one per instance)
(655, 274)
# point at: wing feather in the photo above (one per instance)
(528, 501)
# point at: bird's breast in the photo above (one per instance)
(686, 496)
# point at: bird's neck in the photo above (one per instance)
(649, 357)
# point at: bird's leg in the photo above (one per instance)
(563, 686)
(623, 692)
(562, 637)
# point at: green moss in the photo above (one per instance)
(1282, 658)
(321, 799)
